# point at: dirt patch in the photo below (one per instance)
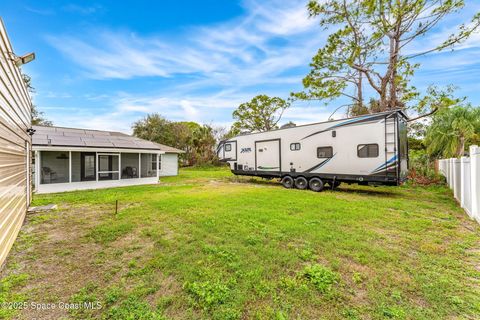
(55, 277)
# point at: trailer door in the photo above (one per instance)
(267, 155)
(230, 151)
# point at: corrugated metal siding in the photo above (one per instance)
(15, 119)
(169, 165)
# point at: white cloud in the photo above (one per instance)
(85, 10)
(238, 51)
(190, 112)
(259, 52)
(212, 69)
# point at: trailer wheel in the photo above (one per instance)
(301, 183)
(287, 182)
(316, 184)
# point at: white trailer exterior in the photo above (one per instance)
(369, 149)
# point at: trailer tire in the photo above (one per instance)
(287, 182)
(301, 183)
(316, 184)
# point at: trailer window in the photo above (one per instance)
(228, 147)
(295, 146)
(324, 152)
(367, 150)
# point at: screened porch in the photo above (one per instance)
(81, 169)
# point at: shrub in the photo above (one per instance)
(207, 294)
(321, 277)
(132, 308)
(422, 168)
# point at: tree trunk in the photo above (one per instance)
(383, 93)
(393, 74)
(360, 89)
(461, 147)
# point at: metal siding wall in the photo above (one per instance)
(15, 119)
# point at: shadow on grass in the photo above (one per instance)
(254, 180)
(343, 189)
(370, 191)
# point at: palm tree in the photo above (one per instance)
(203, 141)
(452, 130)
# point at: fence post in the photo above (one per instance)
(457, 180)
(475, 181)
(450, 173)
(463, 181)
(447, 169)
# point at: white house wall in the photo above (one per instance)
(169, 165)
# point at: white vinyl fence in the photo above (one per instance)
(463, 177)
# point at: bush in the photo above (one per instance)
(422, 168)
(133, 308)
(207, 294)
(321, 277)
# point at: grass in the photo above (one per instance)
(208, 245)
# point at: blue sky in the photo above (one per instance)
(105, 64)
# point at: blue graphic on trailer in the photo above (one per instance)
(341, 124)
(385, 165)
(321, 164)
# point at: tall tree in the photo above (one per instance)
(197, 141)
(38, 117)
(155, 128)
(366, 49)
(203, 142)
(452, 130)
(262, 113)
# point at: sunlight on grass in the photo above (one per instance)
(208, 245)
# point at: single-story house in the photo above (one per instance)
(69, 159)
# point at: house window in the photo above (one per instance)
(367, 150)
(324, 152)
(228, 147)
(295, 146)
(148, 165)
(154, 162)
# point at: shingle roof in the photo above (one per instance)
(70, 137)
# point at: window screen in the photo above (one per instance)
(295, 146)
(367, 150)
(324, 152)
(154, 162)
(228, 147)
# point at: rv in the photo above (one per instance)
(369, 150)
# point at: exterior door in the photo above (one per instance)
(230, 151)
(267, 155)
(88, 166)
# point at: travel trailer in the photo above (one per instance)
(370, 150)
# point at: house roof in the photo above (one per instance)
(71, 137)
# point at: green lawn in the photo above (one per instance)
(208, 245)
